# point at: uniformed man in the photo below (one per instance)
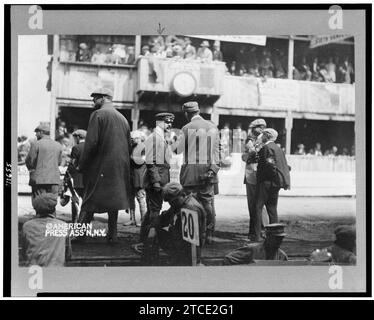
(199, 143)
(343, 250)
(42, 161)
(249, 156)
(158, 154)
(168, 226)
(269, 249)
(105, 163)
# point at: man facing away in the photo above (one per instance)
(200, 145)
(269, 249)
(167, 230)
(42, 161)
(39, 245)
(272, 175)
(105, 163)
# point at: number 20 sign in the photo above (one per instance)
(190, 226)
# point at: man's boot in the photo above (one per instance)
(112, 227)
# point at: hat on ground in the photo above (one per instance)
(80, 133)
(257, 123)
(102, 92)
(43, 127)
(271, 133)
(345, 232)
(205, 43)
(190, 106)
(165, 116)
(171, 191)
(44, 203)
(275, 229)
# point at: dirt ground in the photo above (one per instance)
(310, 224)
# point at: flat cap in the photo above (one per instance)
(275, 229)
(171, 191)
(257, 123)
(44, 203)
(165, 116)
(80, 133)
(345, 232)
(205, 43)
(190, 106)
(271, 133)
(102, 92)
(43, 127)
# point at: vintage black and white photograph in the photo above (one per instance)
(171, 148)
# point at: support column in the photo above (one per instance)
(54, 85)
(138, 43)
(288, 123)
(291, 45)
(135, 117)
(215, 116)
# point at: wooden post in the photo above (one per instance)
(138, 43)
(193, 255)
(54, 85)
(288, 123)
(291, 45)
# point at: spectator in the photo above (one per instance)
(119, 53)
(346, 72)
(39, 247)
(252, 65)
(98, 57)
(241, 59)
(169, 50)
(279, 65)
(189, 49)
(204, 53)
(145, 51)
(233, 68)
(331, 70)
(323, 72)
(345, 152)
(130, 57)
(266, 65)
(317, 149)
(217, 54)
(83, 53)
(300, 150)
(178, 51)
(334, 151)
(110, 57)
(316, 76)
(311, 152)
(304, 69)
(23, 148)
(61, 129)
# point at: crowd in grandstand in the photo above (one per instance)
(249, 60)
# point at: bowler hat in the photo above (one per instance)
(275, 229)
(102, 92)
(190, 106)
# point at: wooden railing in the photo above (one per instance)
(283, 95)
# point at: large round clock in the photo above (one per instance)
(184, 83)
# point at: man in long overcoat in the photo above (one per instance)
(105, 163)
(273, 173)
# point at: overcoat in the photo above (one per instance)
(105, 162)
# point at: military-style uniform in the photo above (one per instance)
(158, 155)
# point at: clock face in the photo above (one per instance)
(184, 83)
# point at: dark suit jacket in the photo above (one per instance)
(272, 166)
(158, 155)
(43, 160)
(76, 153)
(199, 133)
